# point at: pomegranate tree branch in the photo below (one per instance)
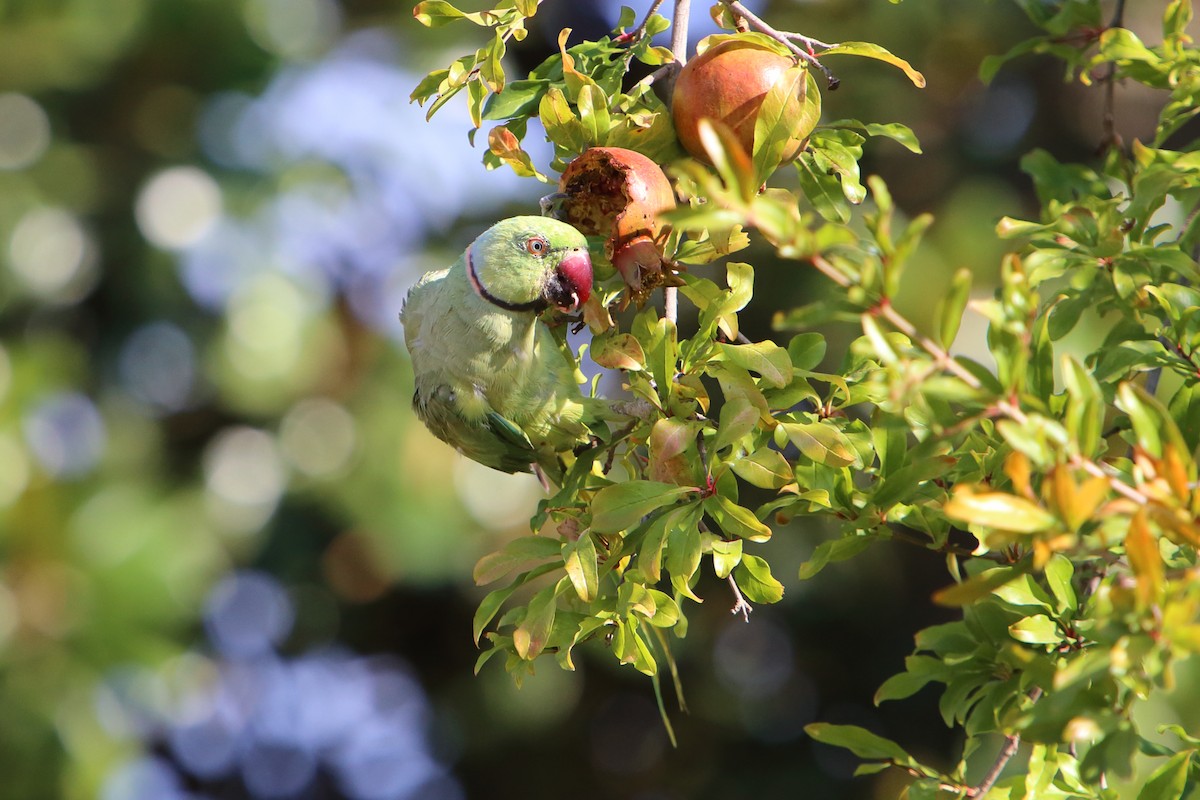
(788, 40)
(740, 606)
(1007, 751)
(679, 46)
(1109, 120)
(942, 359)
(637, 32)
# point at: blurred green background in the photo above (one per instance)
(232, 565)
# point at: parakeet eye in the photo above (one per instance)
(537, 246)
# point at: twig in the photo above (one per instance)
(1007, 408)
(740, 606)
(1109, 120)
(635, 34)
(679, 46)
(679, 32)
(788, 40)
(1011, 743)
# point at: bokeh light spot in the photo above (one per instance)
(266, 319)
(277, 769)
(247, 615)
(293, 28)
(142, 779)
(157, 366)
(53, 256)
(14, 477)
(317, 437)
(5, 372)
(496, 500)
(244, 474)
(178, 206)
(754, 660)
(66, 435)
(24, 131)
(9, 618)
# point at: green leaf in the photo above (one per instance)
(726, 556)
(999, 510)
(764, 468)
(1122, 44)
(617, 507)
(1059, 570)
(593, 114)
(529, 639)
(1169, 780)
(977, 586)
(870, 50)
(768, 359)
(951, 307)
(891, 130)
(823, 443)
(435, 13)
(918, 671)
(613, 350)
(793, 103)
(684, 551)
(736, 520)
(738, 418)
(1024, 591)
(563, 128)
(1148, 420)
(821, 188)
(726, 154)
(833, 550)
(807, 350)
(666, 610)
(754, 578)
(650, 552)
(517, 99)
(517, 553)
(488, 608)
(673, 457)
(1038, 629)
(580, 561)
(859, 741)
(837, 152)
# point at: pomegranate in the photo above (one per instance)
(727, 83)
(618, 194)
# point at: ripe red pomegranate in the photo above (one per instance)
(727, 83)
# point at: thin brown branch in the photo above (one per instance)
(1007, 751)
(740, 606)
(788, 40)
(637, 32)
(1006, 408)
(679, 47)
(1109, 120)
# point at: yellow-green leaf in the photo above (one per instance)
(617, 507)
(870, 50)
(999, 510)
(580, 561)
(823, 443)
(754, 578)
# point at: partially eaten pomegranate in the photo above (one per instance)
(618, 194)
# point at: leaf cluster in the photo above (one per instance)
(1059, 486)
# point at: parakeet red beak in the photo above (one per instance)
(571, 284)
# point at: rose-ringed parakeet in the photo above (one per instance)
(491, 379)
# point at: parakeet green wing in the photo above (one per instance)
(490, 377)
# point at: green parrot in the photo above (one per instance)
(491, 379)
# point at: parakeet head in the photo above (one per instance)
(529, 264)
